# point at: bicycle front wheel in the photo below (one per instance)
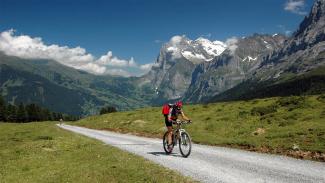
(185, 144)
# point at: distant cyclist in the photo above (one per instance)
(175, 112)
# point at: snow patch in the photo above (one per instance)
(249, 59)
(190, 56)
(172, 49)
(277, 74)
(214, 48)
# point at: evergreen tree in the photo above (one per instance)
(12, 113)
(32, 111)
(21, 113)
(55, 116)
(29, 113)
(46, 115)
(107, 109)
(3, 116)
(60, 116)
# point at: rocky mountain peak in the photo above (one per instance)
(195, 51)
(315, 19)
(309, 36)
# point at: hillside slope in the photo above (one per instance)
(289, 125)
(65, 89)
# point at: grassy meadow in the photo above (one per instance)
(42, 152)
(292, 126)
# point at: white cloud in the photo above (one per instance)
(174, 45)
(92, 68)
(176, 40)
(232, 44)
(110, 60)
(27, 47)
(288, 32)
(296, 6)
(147, 67)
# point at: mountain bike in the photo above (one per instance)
(180, 136)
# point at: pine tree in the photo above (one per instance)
(45, 115)
(21, 113)
(12, 113)
(29, 113)
(107, 109)
(60, 116)
(3, 116)
(55, 116)
(32, 112)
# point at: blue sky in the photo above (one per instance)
(137, 28)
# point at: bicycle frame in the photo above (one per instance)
(177, 132)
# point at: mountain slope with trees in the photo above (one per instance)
(64, 89)
(29, 113)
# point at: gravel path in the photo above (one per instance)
(214, 164)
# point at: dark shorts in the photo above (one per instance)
(167, 122)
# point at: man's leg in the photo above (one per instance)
(170, 134)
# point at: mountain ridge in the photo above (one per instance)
(195, 71)
(294, 64)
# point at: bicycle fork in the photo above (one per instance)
(175, 137)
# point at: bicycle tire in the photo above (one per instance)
(185, 138)
(165, 143)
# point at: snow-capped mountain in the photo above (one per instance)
(185, 67)
(171, 75)
(241, 58)
(196, 51)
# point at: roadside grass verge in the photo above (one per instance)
(42, 152)
(293, 126)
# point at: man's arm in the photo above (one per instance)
(184, 117)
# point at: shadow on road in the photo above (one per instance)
(164, 154)
(127, 144)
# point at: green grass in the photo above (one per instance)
(42, 152)
(286, 123)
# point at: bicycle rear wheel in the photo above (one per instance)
(185, 144)
(165, 144)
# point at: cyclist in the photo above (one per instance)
(175, 112)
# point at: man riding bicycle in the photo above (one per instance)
(175, 111)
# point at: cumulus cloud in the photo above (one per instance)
(27, 47)
(111, 60)
(174, 45)
(296, 6)
(176, 40)
(147, 67)
(92, 68)
(232, 44)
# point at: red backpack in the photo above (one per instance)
(165, 109)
